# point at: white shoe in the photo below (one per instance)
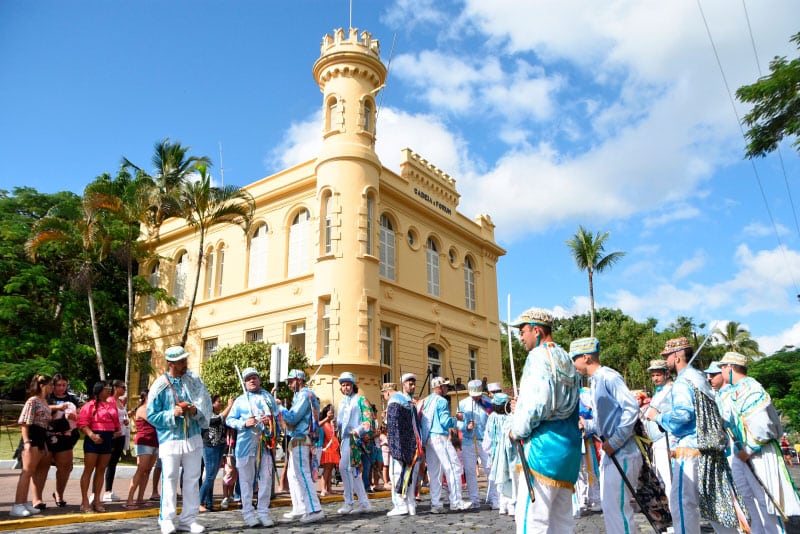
(396, 512)
(438, 510)
(313, 517)
(252, 521)
(345, 509)
(224, 504)
(19, 510)
(511, 511)
(110, 496)
(463, 507)
(167, 527)
(266, 520)
(412, 511)
(362, 508)
(194, 528)
(292, 515)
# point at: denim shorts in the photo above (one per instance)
(145, 449)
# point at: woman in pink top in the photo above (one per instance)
(99, 421)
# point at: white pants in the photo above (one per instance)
(551, 513)
(662, 465)
(171, 465)
(301, 487)
(684, 499)
(441, 458)
(408, 502)
(468, 448)
(587, 487)
(506, 504)
(755, 500)
(247, 471)
(615, 495)
(350, 479)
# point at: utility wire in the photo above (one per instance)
(752, 164)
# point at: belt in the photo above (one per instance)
(685, 452)
(298, 442)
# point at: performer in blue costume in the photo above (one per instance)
(473, 409)
(179, 408)
(502, 453)
(405, 445)
(545, 418)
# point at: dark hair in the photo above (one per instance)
(142, 397)
(37, 383)
(58, 377)
(214, 398)
(118, 384)
(99, 386)
(324, 413)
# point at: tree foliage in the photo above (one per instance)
(776, 110)
(780, 376)
(736, 338)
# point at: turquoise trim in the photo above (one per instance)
(300, 450)
(680, 498)
(622, 497)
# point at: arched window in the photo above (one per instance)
(209, 273)
(368, 110)
(469, 283)
(331, 113)
(153, 277)
(181, 275)
(220, 268)
(433, 268)
(387, 246)
(257, 266)
(370, 224)
(298, 261)
(327, 229)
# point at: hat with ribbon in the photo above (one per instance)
(713, 369)
(250, 371)
(176, 354)
(296, 373)
(657, 365)
(534, 316)
(408, 376)
(584, 345)
(674, 345)
(494, 387)
(389, 386)
(475, 387)
(439, 381)
(734, 358)
(499, 399)
(347, 377)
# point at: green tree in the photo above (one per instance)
(780, 377)
(588, 251)
(206, 206)
(776, 110)
(736, 338)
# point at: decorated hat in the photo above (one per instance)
(389, 386)
(713, 369)
(439, 381)
(347, 377)
(584, 345)
(499, 399)
(408, 376)
(494, 387)
(674, 345)
(537, 316)
(657, 365)
(734, 358)
(176, 354)
(249, 372)
(475, 387)
(296, 373)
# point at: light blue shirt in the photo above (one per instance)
(245, 406)
(681, 420)
(615, 411)
(436, 418)
(473, 411)
(161, 405)
(301, 416)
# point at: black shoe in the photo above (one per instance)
(40, 506)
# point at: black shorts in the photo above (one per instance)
(37, 436)
(63, 442)
(103, 447)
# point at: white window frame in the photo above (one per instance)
(387, 248)
(257, 264)
(298, 257)
(432, 265)
(469, 284)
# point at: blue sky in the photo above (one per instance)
(549, 114)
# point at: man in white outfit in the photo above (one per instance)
(472, 427)
(355, 424)
(661, 401)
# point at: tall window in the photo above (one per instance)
(469, 283)
(387, 246)
(209, 347)
(434, 361)
(325, 327)
(181, 274)
(433, 268)
(257, 269)
(387, 348)
(298, 245)
(330, 118)
(297, 337)
(220, 268)
(254, 336)
(153, 278)
(368, 115)
(371, 329)
(473, 364)
(209, 288)
(370, 224)
(327, 231)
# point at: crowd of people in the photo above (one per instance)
(705, 446)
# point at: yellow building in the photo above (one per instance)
(363, 268)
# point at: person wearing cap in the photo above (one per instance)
(405, 445)
(502, 461)
(440, 454)
(587, 488)
(494, 387)
(301, 422)
(755, 425)
(692, 397)
(179, 408)
(545, 419)
(472, 427)
(253, 417)
(662, 383)
(354, 417)
(616, 412)
(714, 374)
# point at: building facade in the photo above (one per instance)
(362, 268)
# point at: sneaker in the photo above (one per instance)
(396, 512)
(252, 522)
(224, 504)
(313, 517)
(362, 508)
(345, 509)
(463, 507)
(510, 511)
(412, 511)
(110, 496)
(438, 510)
(266, 520)
(19, 510)
(32, 509)
(292, 515)
(194, 528)
(167, 526)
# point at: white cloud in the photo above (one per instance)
(674, 213)
(690, 266)
(758, 229)
(771, 344)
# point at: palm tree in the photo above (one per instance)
(205, 206)
(587, 251)
(736, 338)
(88, 235)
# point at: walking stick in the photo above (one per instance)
(519, 444)
(758, 479)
